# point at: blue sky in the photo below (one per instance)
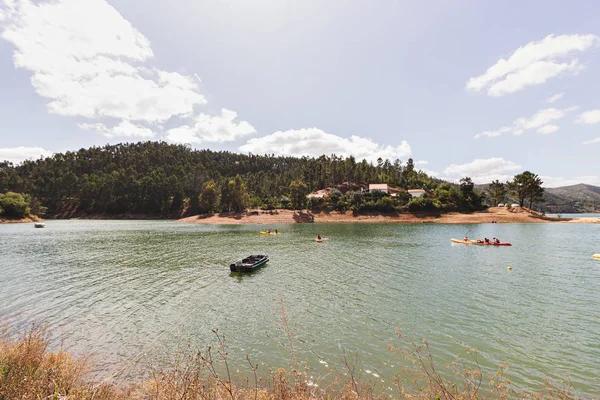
(466, 88)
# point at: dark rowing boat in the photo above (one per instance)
(249, 263)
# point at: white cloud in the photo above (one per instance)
(21, 153)
(123, 129)
(221, 128)
(421, 162)
(183, 134)
(504, 129)
(535, 74)
(541, 118)
(314, 142)
(555, 97)
(88, 61)
(540, 121)
(547, 129)
(597, 140)
(533, 64)
(589, 117)
(483, 170)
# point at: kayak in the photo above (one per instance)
(597, 256)
(475, 242)
(270, 233)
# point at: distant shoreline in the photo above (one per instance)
(282, 216)
(491, 215)
(19, 220)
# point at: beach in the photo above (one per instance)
(491, 215)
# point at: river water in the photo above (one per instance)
(133, 292)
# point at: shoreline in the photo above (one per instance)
(283, 216)
(491, 215)
(20, 220)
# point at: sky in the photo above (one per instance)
(474, 88)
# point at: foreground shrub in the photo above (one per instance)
(29, 371)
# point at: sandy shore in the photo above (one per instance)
(497, 214)
(19, 221)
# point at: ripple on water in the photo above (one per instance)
(134, 291)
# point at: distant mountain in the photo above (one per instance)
(579, 198)
(572, 199)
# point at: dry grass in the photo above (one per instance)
(28, 370)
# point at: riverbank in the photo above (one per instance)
(20, 220)
(491, 215)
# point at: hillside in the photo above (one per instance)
(573, 199)
(159, 180)
(580, 198)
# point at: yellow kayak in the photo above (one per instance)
(597, 256)
(461, 241)
(270, 233)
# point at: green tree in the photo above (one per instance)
(14, 205)
(527, 185)
(298, 193)
(497, 192)
(234, 196)
(36, 207)
(209, 197)
(471, 200)
(536, 195)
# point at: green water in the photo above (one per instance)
(134, 291)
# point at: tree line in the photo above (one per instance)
(162, 179)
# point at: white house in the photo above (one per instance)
(417, 192)
(378, 187)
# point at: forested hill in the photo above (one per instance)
(164, 180)
(580, 198)
(158, 178)
(573, 199)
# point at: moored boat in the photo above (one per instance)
(39, 225)
(249, 263)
